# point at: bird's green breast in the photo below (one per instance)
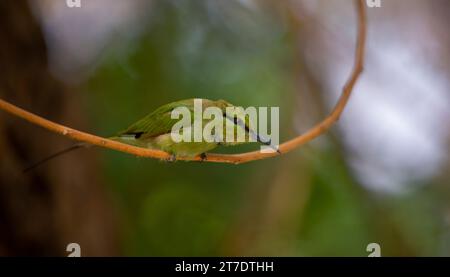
(188, 149)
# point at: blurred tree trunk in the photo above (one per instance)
(61, 202)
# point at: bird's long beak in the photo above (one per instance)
(267, 142)
(252, 133)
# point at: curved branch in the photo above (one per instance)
(285, 147)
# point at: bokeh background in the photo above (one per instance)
(381, 175)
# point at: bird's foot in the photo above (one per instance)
(172, 158)
(202, 157)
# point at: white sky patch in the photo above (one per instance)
(395, 127)
(77, 37)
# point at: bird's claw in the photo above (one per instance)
(202, 157)
(172, 158)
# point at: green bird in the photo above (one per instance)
(155, 131)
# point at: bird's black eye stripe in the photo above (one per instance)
(246, 128)
(241, 124)
(237, 121)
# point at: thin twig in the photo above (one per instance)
(285, 147)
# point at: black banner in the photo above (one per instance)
(221, 266)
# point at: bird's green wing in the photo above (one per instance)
(158, 122)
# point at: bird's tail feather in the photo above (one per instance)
(55, 155)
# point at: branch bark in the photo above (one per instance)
(285, 147)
